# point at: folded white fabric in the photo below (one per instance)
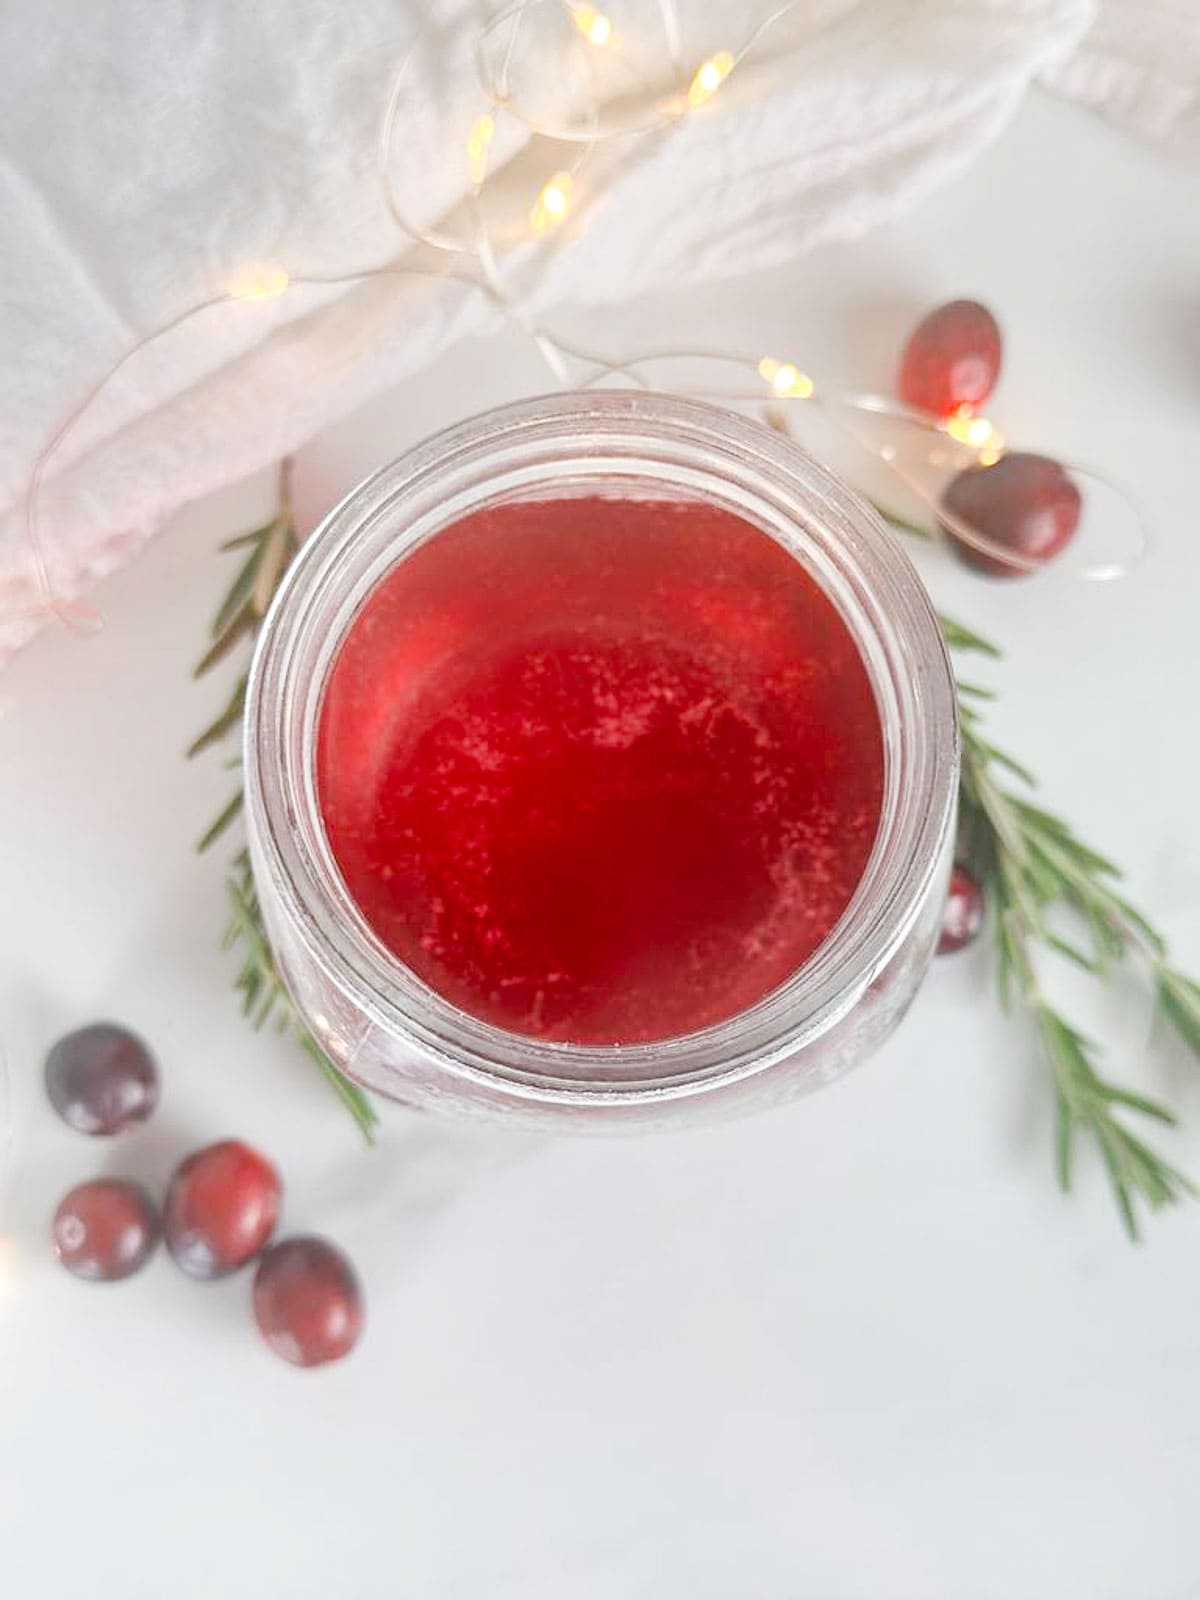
(1140, 65)
(152, 150)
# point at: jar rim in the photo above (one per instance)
(634, 440)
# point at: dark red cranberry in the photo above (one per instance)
(307, 1302)
(1025, 503)
(102, 1079)
(221, 1208)
(105, 1229)
(962, 916)
(952, 359)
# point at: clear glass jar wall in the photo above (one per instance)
(394, 1034)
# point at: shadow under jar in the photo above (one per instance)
(601, 764)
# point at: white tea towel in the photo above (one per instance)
(1140, 65)
(153, 150)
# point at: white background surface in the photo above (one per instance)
(855, 1350)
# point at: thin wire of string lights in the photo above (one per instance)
(915, 450)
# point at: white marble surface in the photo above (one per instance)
(856, 1350)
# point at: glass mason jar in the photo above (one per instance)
(394, 1034)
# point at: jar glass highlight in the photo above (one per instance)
(394, 1034)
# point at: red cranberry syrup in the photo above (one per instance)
(600, 770)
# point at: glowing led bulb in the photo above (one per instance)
(268, 284)
(979, 434)
(710, 75)
(553, 202)
(478, 145)
(592, 24)
(785, 378)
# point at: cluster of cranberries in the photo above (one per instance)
(1023, 503)
(220, 1211)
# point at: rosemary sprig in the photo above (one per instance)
(1033, 868)
(264, 997)
(1033, 865)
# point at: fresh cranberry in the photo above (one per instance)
(105, 1229)
(221, 1209)
(962, 917)
(102, 1079)
(307, 1302)
(1024, 502)
(952, 359)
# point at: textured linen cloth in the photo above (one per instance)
(152, 150)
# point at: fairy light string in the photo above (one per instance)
(475, 262)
